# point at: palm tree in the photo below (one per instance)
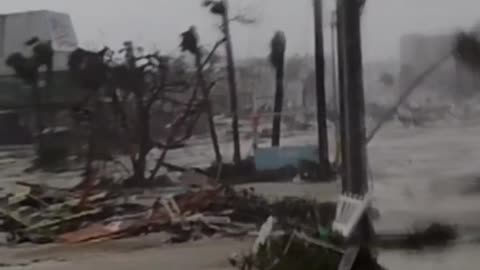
(467, 50)
(220, 8)
(277, 59)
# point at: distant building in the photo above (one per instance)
(17, 28)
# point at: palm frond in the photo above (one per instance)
(278, 46)
(189, 41)
(467, 50)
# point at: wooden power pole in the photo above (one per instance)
(324, 162)
(354, 106)
(341, 94)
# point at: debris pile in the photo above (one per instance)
(42, 214)
(293, 248)
(290, 233)
(308, 240)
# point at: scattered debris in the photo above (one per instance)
(295, 250)
(192, 178)
(264, 234)
(300, 239)
(196, 209)
(349, 258)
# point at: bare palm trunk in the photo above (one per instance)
(232, 85)
(144, 144)
(278, 106)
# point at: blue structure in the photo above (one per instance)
(279, 157)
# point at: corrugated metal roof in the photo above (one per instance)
(16, 28)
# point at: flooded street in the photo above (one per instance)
(419, 176)
(464, 257)
(429, 175)
(155, 113)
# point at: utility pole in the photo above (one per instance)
(356, 158)
(324, 162)
(342, 96)
(335, 95)
(232, 84)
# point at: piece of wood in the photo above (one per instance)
(323, 154)
(318, 242)
(348, 258)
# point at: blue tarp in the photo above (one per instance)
(279, 157)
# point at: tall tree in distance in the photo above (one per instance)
(277, 59)
(220, 8)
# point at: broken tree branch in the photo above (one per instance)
(174, 132)
(212, 52)
(408, 91)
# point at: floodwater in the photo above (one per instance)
(427, 175)
(419, 175)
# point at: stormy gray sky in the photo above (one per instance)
(157, 23)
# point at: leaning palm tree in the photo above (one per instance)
(277, 59)
(220, 8)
